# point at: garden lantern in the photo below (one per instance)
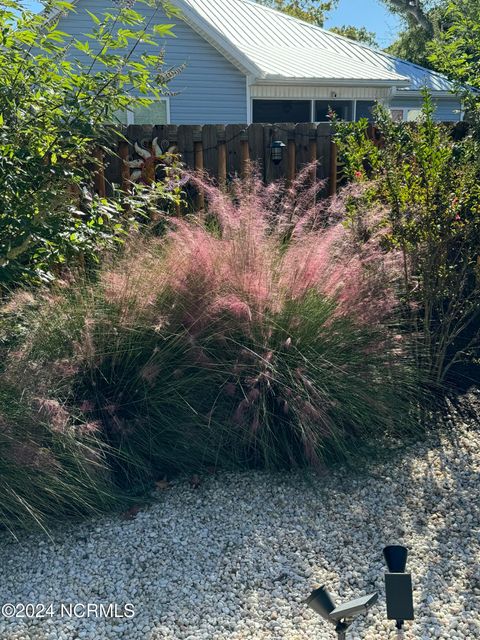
(276, 151)
(398, 587)
(342, 616)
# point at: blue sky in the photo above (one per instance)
(371, 14)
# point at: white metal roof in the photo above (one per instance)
(271, 45)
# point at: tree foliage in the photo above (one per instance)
(56, 95)
(456, 50)
(440, 22)
(307, 10)
(359, 34)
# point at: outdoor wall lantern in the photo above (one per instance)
(398, 586)
(343, 615)
(276, 151)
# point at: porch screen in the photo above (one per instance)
(343, 109)
(271, 111)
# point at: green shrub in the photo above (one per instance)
(427, 182)
(54, 113)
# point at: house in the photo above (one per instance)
(248, 63)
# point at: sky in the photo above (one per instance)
(371, 14)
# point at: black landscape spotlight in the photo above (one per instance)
(398, 587)
(343, 615)
(276, 151)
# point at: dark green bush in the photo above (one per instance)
(423, 204)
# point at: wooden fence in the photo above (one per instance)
(223, 151)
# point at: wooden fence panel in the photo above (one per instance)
(304, 135)
(210, 149)
(224, 151)
(274, 133)
(256, 146)
(185, 144)
(166, 136)
(324, 136)
(233, 134)
(221, 150)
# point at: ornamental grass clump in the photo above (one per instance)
(48, 469)
(255, 334)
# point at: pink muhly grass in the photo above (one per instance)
(29, 454)
(233, 306)
(274, 243)
(52, 412)
(320, 254)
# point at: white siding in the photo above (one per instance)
(312, 92)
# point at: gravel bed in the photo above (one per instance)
(235, 557)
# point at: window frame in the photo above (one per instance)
(352, 101)
(405, 112)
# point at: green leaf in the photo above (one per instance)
(164, 30)
(93, 17)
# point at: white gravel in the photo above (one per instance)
(234, 558)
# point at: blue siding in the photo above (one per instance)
(448, 109)
(210, 89)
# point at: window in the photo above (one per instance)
(155, 113)
(406, 114)
(282, 111)
(413, 115)
(397, 115)
(365, 110)
(343, 109)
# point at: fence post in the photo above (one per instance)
(333, 168)
(291, 161)
(198, 165)
(99, 178)
(222, 164)
(244, 157)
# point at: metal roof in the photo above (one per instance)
(273, 46)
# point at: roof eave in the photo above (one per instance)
(439, 93)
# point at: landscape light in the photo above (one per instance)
(276, 151)
(342, 616)
(398, 587)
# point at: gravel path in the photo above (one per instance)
(234, 558)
